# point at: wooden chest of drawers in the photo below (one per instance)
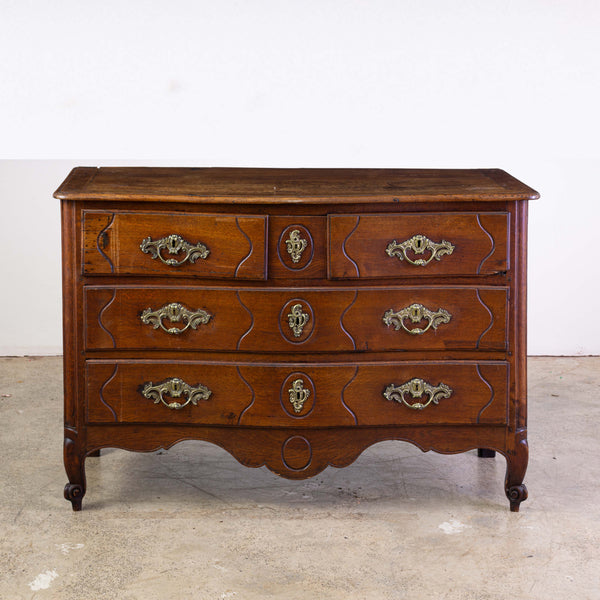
(294, 317)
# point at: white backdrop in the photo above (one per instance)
(305, 83)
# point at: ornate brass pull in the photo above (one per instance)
(174, 244)
(416, 388)
(175, 388)
(416, 313)
(175, 312)
(295, 245)
(297, 319)
(419, 244)
(298, 395)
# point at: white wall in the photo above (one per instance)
(304, 83)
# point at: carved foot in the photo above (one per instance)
(485, 453)
(516, 494)
(516, 465)
(75, 493)
(75, 467)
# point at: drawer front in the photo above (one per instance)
(174, 245)
(295, 320)
(434, 393)
(423, 244)
(209, 319)
(165, 318)
(296, 395)
(429, 318)
(224, 394)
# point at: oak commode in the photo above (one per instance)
(294, 317)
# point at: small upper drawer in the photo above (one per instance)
(417, 244)
(174, 244)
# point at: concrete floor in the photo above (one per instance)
(397, 524)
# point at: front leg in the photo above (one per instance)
(75, 467)
(516, 465)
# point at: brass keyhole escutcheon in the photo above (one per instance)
(297, 319)
(298, 395)
(296, 245)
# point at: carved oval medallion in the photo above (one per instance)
(296, 453)
(297, 395)
(295, 247)
(296, 320)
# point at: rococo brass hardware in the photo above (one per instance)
(419, 244)
(297, 319)
(176, 388)
(175, 312)
(416, 313)
(295, 245)
(174, 244)
(416, 388)
(298, 395)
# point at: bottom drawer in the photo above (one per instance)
(296, 395)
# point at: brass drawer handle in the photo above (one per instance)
(297, 319)
(298, 395)
(174, 244)
(175, 312)
(176, 388)
(296, 245)
(416, 388)
(416, 313)
(419, 244)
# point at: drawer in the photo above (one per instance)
(296, 395)
(417, 244)
(209, 319)
(165, 318)
(429, 318)
(429, 393)
(295, 320)
(174, 244)
(216, 394)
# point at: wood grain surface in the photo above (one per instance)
(268, 186)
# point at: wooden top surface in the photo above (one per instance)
(269, 186)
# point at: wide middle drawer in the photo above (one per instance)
(296, 320)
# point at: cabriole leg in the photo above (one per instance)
(75, 468)
(516, 465)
